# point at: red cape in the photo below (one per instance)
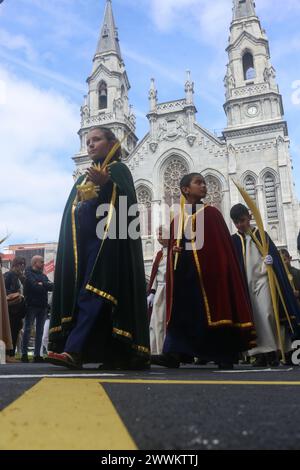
(220, 280)
(155, 266)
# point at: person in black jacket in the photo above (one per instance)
(37, 286)
(14, 280)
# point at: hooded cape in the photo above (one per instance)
(118, 274)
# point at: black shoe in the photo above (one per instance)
(288, 359)
(225, 365)
(273, 360)
(38, 359)
(260, 361)
(24, 358)
(165, 360)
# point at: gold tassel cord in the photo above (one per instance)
(264, 248)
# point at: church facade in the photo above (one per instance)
(253, 149)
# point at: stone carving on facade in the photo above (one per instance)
(231, 160)
(250, 90)
(269, 75)
(191, 139)
(144, 196)
(153, 146)
(144, 199)
(174, 172)
(100, 119)
(229, 82)
(189, 88)
(85, 113)
(162, 130)
(214, 192)
(171, 129)
(178, 105)
(119, 106)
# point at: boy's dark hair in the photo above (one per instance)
(238, 211)
(187, 179)
(18, 261)
(110, 136)
(284, 252)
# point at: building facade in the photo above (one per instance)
(253, 149)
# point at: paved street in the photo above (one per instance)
(193, 408)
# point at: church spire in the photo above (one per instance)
(243, 9)
(109, 40)
(107, 103)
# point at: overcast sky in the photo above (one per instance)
(46, 51)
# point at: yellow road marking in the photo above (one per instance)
(77, 414)
(59, 414)
(197, 382)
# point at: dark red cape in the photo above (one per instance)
(154, 270)
(220, 280)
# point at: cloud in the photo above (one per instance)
(15, 42)
(45, 72)
(204, 19)
(38, 138)
(209, 20)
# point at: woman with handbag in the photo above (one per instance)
(5, 333)
(14, 280)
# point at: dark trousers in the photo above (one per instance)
(16, 322)
(39, 314)
(90, 307)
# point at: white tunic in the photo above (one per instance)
(259, 289)
(158, 317)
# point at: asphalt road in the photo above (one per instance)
(192, 408)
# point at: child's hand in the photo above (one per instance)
(268, 260)
(99, 178)
(150, 300)
(177, 249)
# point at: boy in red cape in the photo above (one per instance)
(208, 309)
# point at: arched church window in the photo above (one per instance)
(248, 66)
(250, 186)
(144, 198)
(271, 197)
(173, 173)
(102, 95)
(214, 195)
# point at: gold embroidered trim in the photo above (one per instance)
(122, 333)
(56, 329)
(126, 334)
(210, 322)
(101, 293)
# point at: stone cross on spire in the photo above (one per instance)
(243, 9)
(108, 41)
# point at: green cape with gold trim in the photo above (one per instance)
(118, 274)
